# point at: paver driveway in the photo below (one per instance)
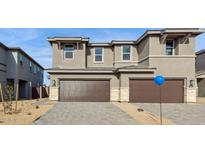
(88, 113)
(182, 114)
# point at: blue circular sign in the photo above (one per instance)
(159, 80)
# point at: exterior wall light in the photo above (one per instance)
(53, 83)
(191, 83)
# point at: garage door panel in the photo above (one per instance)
(145, 91)
(85, 90)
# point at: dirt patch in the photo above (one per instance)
(141, 116)
(26, 114)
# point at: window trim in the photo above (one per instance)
(68, 51)
(130, 53)
(173, 49)
(94, 60)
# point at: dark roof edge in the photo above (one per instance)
(4, 46)
(23, 52)
(195, 31)
(200, 52)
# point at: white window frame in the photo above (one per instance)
(94, 60)
(122, 53)
(173, 49)
(64, 52)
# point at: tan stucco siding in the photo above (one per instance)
(144, 62)
(156, 47)
(125, 77)
(143, 52)
(180, 47)
(174, 67)
(143, 48)
(114, 80)
(78, 60)
(181, 65)
(118, 62)
(185, 48)
(107, 57)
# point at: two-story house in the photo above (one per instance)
(200, 72)
(123, 71)
(17, 67)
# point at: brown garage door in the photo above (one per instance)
(145, 91)
(85, 91)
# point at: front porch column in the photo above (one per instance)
(54, 93)
(124, 94)
(190, 95)
(114, 94)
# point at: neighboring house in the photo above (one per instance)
(123, 71)
(200, 72)
(17, 67)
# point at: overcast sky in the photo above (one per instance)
(34, 41)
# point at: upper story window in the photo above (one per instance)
(30, 66)
(98, 56)
(35, 69)
(169, 47)
(21, 59)
(38, 69)
(126, 52)
(68, 51)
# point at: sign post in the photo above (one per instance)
(159, 80)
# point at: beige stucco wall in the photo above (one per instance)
(155, 47)
(181, 48)
(185, 48)
(143, 48)
(78, 60)
(118, 56)
(174, 67)
(107, 54)
(182, 65)
(178, 66)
